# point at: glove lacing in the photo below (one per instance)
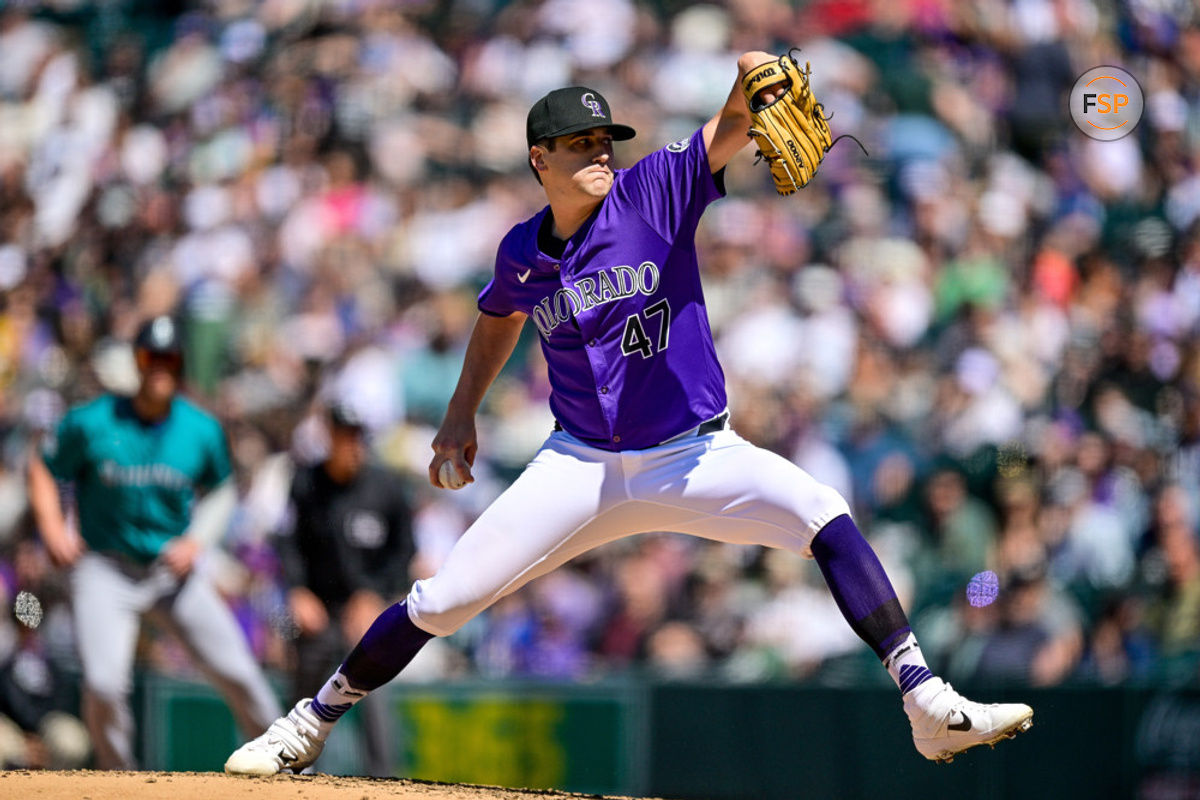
(820, 107)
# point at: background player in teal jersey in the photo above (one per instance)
(152, 486)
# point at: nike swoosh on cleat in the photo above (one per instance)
(523, 276)
(965, 725)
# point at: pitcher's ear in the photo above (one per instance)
(537, 158)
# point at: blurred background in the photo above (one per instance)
(984, 334)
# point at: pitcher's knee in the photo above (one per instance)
(827, 504)
(441, 609)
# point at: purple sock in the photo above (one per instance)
(860, 586)
(385, 649)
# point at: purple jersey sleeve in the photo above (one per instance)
(493, 300)
(496, 299)
(671, 187)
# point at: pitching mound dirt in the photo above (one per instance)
(87, 785)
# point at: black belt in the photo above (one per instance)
(717, 423)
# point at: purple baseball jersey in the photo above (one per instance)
(621, 315)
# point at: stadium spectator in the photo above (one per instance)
(345, 552)
(38, 728)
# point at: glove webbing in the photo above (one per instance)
(797, 112)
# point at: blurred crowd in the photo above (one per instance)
(984, 333)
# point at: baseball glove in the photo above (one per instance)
(792, 131)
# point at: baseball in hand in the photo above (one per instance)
(448, 476)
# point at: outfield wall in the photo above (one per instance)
(683, 740)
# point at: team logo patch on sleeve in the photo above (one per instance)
(680, 146)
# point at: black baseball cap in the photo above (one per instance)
(344, 415)
(571, 110)
(161, 336)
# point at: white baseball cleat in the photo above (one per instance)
(291, 743)
(945, 723)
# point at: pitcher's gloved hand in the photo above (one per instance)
(786, 121)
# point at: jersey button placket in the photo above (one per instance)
(595, 354)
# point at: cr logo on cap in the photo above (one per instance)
(589, 101)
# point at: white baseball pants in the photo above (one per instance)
(573, 497)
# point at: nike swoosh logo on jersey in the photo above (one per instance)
(965, 725)
(524, 275)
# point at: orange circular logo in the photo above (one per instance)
(1106, 103)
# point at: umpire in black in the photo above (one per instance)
(345, 553)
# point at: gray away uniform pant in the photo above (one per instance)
(109, 597)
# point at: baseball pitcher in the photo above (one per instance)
(608, 275)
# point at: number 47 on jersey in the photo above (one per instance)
(634, 338)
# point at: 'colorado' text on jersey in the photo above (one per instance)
(621, 316)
